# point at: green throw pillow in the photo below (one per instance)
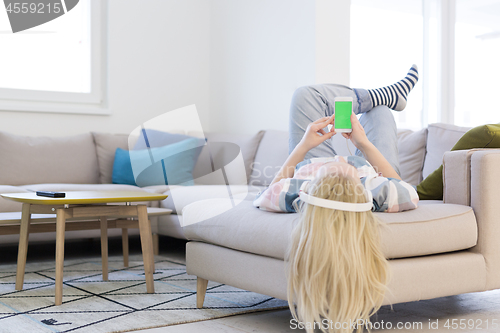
(485, 136)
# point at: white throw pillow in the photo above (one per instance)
(440, 139)
(411, 147)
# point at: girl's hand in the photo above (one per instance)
(358, 135)
(315, 134)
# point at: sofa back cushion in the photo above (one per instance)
(34, 160)
(106, 145)
(272, 153)
(440, 139)
(411, 148)
(221, 149)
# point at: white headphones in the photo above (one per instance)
(339, 205)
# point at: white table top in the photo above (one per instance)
(85, 197)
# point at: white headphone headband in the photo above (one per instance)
(339, 205)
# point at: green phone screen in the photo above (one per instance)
(343, 112)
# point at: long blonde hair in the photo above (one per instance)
(336, 269)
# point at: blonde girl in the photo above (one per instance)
(337, 273)
(336, 270)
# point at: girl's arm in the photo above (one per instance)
(311, 139)
(371, 153)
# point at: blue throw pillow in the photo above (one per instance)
(122, 168)
(168, 165)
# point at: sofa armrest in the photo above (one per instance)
(485, 200)
(457, 176)
(471, 177)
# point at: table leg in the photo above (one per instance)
(60, 228)
(147, 247)
(104, 247)
(156, 244)
(23, 245)
(125, 246)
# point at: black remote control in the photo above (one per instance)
(51, 194)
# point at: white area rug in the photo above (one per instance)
(120, 304)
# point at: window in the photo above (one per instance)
(57, 66)
(455, 43)
(477, 50)
(386, 39)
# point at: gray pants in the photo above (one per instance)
(310, 103)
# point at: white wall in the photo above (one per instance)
(239, 61)
(158, 61)
(333, 41)
(260, 52)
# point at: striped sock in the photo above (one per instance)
(394, 96)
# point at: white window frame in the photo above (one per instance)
(94, 102)
(446, 17)
(446, 87)
(447, 61)
(426, 14)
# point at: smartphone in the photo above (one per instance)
(343, 111)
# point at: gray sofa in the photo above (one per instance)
(441, 248)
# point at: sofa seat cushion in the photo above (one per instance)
(160, 189)
(181, 196)
(429, 229)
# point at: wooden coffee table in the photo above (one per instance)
(85, 204)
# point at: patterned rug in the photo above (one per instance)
(118, 305)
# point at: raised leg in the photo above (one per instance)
(310, 103)
(60, 228)
(201, 290)
(156, 244)
(104, 247)
(23, 245)
(381, 130)
(125, 246)
(147, 247)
